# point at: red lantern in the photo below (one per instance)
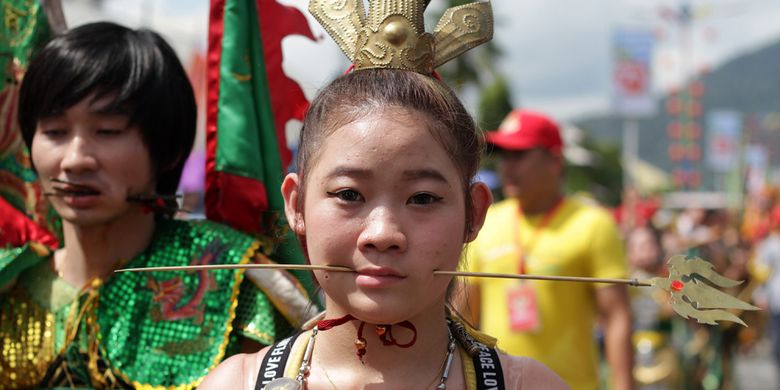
(673, 105)
(696, 89)
(673, 130)
(694, 131)
(678, 177)
(675, 152)
(694, 179)
(694, 152)
(694, 109)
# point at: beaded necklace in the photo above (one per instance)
(303, 372)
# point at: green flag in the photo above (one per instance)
(249, 101)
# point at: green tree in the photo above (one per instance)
(603, 178)
(494, 104)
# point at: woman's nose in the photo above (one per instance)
(382, 232)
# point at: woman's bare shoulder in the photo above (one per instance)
(522, 372)
(237, 372)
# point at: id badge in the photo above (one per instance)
(522, 307)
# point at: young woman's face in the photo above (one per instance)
(385, 199)
(98, 152)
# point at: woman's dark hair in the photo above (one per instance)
(137, 68)
(355, 95)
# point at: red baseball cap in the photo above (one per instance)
(523, 129)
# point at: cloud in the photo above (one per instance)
(557, 53)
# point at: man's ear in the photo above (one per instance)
(291, 187)
(481, 198)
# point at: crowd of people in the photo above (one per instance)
(670, 351)
(383, 196)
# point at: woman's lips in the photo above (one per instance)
(378, 277)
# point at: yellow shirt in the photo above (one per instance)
(577, 240)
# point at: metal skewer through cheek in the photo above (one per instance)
(239, 266)
(631, 282)
(690, 284)
(58, 191)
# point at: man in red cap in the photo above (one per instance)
(537, 230)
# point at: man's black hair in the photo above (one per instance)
(137, 68)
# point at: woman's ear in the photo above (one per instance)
(291, 187)
(481, 198)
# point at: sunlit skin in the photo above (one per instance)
(532, 176)
(385, 199)
(643, 251)
(105, 160)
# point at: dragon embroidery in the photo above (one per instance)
(169, 294)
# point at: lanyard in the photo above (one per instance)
(535, 234)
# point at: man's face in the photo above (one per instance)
(105, 160)
(528, 174)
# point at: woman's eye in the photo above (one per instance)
(424, 198)
(346, 195)
(109, 131)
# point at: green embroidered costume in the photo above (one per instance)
(135, 330)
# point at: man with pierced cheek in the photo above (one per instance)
(109, 116)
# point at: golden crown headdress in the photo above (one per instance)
(392, 34)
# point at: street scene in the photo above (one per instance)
(390, 194)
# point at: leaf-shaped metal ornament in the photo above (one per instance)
(342, 19)
(690, 285)
(462, 28)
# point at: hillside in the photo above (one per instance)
(749, 83)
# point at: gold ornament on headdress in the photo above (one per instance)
(392, 34)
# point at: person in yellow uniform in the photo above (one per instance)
(538, 230)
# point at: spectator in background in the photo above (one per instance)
(656, 361)
(768, 297)
(538, 230)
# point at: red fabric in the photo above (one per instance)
(642, 213)
(245, 194)
(328, 324)
(213, 55)
(524, 129)
(388, 339)
(384, 332)
(774, 218)
(16, 229)
(287, 99)
(238, 194)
